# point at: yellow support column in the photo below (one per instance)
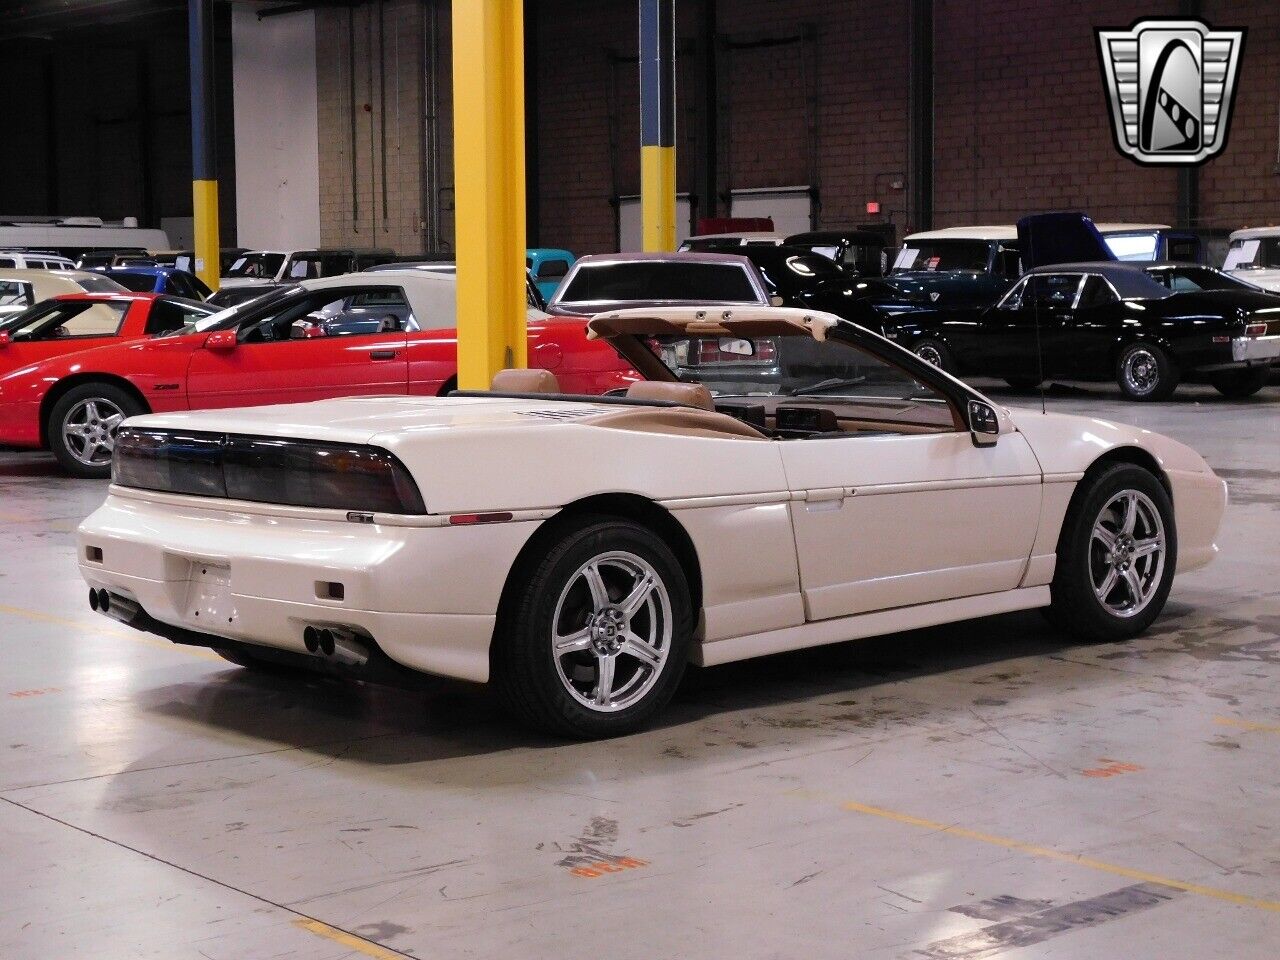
(658, 198)
(204, 195)
(204, 154)
(488, 148)
(658, 124)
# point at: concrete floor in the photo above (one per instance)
(987, 789)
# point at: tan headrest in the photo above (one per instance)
(685, 394)
(525, 381)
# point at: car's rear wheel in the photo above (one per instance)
(1116, 556)
(935, 352)
(598, 634)
(1145, 372)
(82, 427)
(1238, 384)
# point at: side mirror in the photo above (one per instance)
(222, 340)
(6, 338)
(984, 424)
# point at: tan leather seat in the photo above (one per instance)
(525, 381)
(685, 394)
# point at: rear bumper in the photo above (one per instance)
(427, 596)
(1255, 349)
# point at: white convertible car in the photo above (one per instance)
(780, 479)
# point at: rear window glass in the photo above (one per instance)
(655, 280)
(137, 282)
(944, 255)
(101, 285)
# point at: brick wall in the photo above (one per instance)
(1020, 120)
(382, 205)
(1241, 187)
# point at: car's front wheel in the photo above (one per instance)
(935, 352)
(1146, 372)
(1116, 556)
(597, 637)
(82, 427)
(1239, 384)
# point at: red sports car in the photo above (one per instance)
(374, 333)
(78, 321)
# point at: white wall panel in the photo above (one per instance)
(277, 143)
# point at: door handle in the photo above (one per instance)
(382, 354)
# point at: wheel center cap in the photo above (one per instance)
(606, 630)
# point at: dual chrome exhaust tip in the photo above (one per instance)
(337, 644)
(114, 605)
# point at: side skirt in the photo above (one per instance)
(874, 624)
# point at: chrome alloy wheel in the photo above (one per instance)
(89, 430)
(930, 354)
(1127, 553)
(612, 631)
(1141, 371)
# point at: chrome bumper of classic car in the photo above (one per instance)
(1255, 349)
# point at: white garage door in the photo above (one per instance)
(788, 207)
(630, 229)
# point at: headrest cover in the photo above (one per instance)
(525, 381)
(685, 394)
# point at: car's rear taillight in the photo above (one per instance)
(306, 473)
(300, 473)
(708, 350)
(1255, 330)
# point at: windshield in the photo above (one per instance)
(943, 255)
(1190, 279)
(1133, 247)
(230, 317)
(55, 320)
(835, 373)
(262, 266)
(649, 281)
(1255, 253)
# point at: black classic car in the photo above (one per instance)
(859, 253)
(1147, 326)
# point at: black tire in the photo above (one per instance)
(1076, 606)
(72, 406)
(1023, 384)
(935, 352)
(1145, 372)
(1239, 384)
(534, 685)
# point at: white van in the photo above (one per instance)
(33, 260)
(74, 236)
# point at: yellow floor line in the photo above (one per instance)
(1247, 725)
(136, 635)
(1049, 853)
(350, 940)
